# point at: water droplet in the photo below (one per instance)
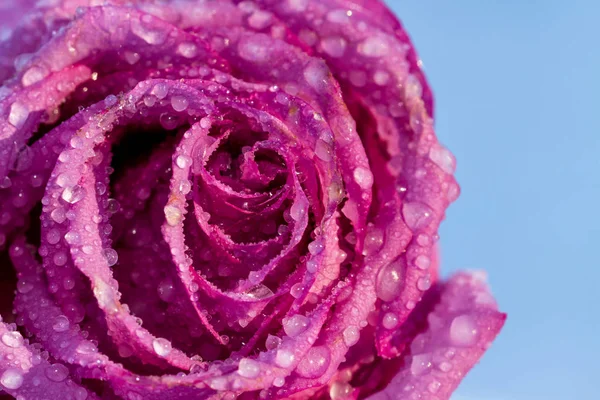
(272, 342)
(420, 364)
(72, 237)
(297, 5)
(381, 78)
(434, 386)
(60, 324)
(315, 247)
(12, 339)
(110, 100)
(463, 331)
(315, 363)
(24, 286)
(59, 258)
(373, 241)
(335, 46)
(295, 325)
(339, 390)
(57, 372)
(296, 290)
(297, 210)
(86, 347)
(34, 75)
(416, 215)
(111, 256)
(351, 335)
(18, 114)
(179, 103)
(73, 194)
(316, 75)
(187, 49)
(390, 279)
(249, 368)
(5, 183)
(260, 292)
(80, 394)
(161, 346)
(390, 320)
(53, 236)
(173, 215)
(254, 49)
(145, 28)
(323, 150)
(185, 186)
(183, 161)
(423, 283)
(363, 177)
(260, 19)
(339, 16)
(443, 158)
(11, 379)
(422, 261)
(373, 47)
(132, 57)
(284, 358)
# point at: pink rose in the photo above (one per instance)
(221, 199)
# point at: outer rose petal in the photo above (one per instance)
(462, 321)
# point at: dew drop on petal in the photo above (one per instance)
(315, 362)
(187, 49)
(60, 324)
(18, 114)
(315, 247)
(249, 368)
(272, 342)
(389, 280)
(12, 339)
(463, 331)
(53, 236)
(421, 364)
(334, 46)
(183, 161)
(284, 358)
(422, 261)
(443, 158)
(373, 46)
(416, 215)
(57, 372)
(111, 256)
(161, 346)
(11, 379)
(173, 215)
(363, 177)
(351, 335)
(295, 325)
(339, 390)
(390, 320)
(179, 103)
(73, 194)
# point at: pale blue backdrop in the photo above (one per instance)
(516, 85)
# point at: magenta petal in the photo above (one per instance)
(460, 327)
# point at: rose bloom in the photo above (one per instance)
(225, 199)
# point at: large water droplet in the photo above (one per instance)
(161, 346)
(12, 339)
(179, 103)
(248, 368)
(295, 325)
(73, 194)
(416, 215)
(173, 215)
(373, 47)
(390, 320)
(389, 280)
(18, 114)
(334, 46)
(315, 363)
(443, 159)
(145, 28)
(363, 177)
(284, 358)
(272, 342)
(11, 379)
(421, 364)
(463, 331)
(351, 335)
(57, 372)
(60, 324)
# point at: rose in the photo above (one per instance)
(213, 199)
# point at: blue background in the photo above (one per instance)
(516, 85)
